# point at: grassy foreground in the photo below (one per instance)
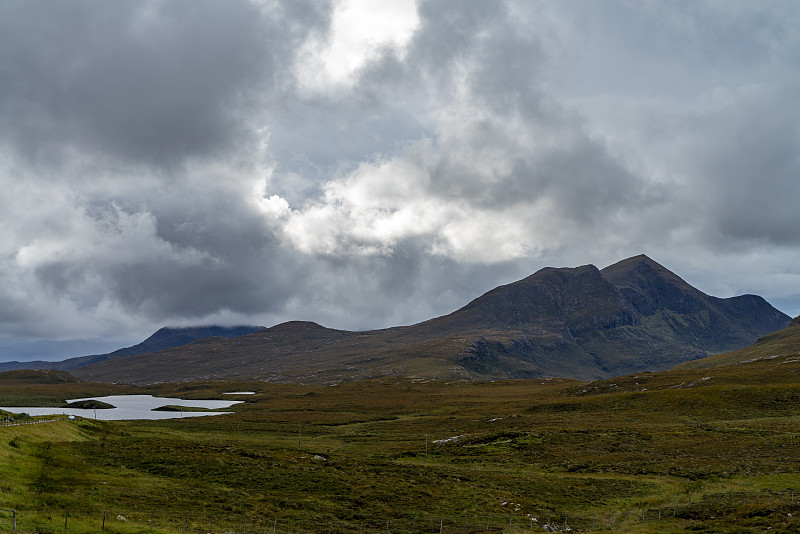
(691, 450)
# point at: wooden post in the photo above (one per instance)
(185, 520)
(13, 518)
(151, 520)
(488, 517)
(441, 524)
(104, 522)
(274, 525)
(66, 516)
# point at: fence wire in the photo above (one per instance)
(779, 505)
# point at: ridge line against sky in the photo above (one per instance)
(368, 164)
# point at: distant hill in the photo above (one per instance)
(781, 343)
(164, 338)
(42, 376)
(577, 322)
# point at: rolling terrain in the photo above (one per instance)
(582, 323)
(712, 450)
(781, 343)
(164, 338)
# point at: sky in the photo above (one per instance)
(365, 164)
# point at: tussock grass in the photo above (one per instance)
(687, 450)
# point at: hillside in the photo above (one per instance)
(671, 452)
(577, 322)
(781, 343)
(164, 338)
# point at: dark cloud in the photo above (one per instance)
(146, 82)
(170, 162)
(747, 157)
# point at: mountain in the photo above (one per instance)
(781, 343)
(164, 338)
(579, 322)
(669, 305)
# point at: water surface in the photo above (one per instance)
(129, 407)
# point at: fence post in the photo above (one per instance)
(185, 520)
(441, 524)
(66, 516)
(104, 522)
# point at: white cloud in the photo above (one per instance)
(359, 29)
(362, 163)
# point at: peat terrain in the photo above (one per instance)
(712, 450)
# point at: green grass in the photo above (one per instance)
(708, 450)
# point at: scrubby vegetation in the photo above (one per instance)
(714, 450)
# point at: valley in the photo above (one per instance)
(714, 449)
(577, 399)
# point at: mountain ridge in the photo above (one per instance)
(164, 338)
(783, 342)
(574, 322)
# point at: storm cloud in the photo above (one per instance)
(183, 162)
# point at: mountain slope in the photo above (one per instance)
(783, 342)
(670, 306)
(572, 322)
(164, 338)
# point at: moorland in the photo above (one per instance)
(713, 450)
